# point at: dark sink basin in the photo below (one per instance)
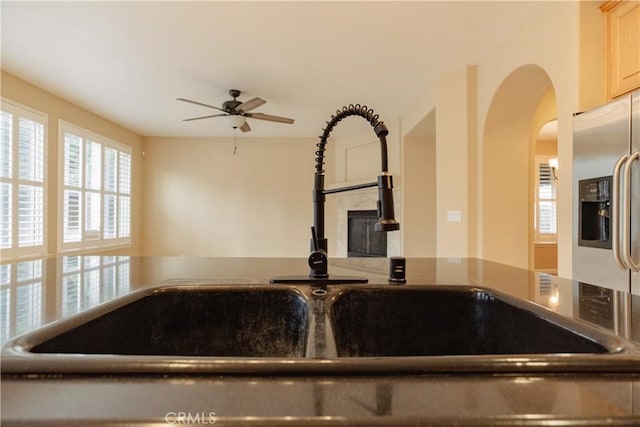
(433, 322)
(183, 321)
(301, 330)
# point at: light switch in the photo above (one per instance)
(454, 216)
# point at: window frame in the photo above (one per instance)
(99, 243)
(544, 238)
(18, 110)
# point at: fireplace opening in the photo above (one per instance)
(362, 239)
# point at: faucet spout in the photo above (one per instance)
(386, 217)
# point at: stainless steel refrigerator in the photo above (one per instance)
(606, 188)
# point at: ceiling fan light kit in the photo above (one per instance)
(234, 121)
(235, 113)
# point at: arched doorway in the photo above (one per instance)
(510, 131)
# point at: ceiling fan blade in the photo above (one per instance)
(199, 103)
(269, 117)
(251, 104)
(204, 117)
(245, 127)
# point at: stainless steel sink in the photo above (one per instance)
(302, 329)
(438, 322)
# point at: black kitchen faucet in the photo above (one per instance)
(386, 219)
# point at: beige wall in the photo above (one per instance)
(455, 166)
(419, 190)
(201, 199)
(357, 151)
(419, 197)
(592, 76)
(547, 148)
(56, 109)
(548, 41)
(453, 103)
(546, 257)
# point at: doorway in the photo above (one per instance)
(511, 128)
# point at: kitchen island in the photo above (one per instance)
(39, 292)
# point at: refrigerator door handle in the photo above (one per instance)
(615, 213)
(626, 227)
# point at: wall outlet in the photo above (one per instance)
(454, 216)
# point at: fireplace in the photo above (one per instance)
(362, 239)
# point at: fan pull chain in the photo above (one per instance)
(235, 141)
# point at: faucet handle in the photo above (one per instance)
(314, 239)
(318, 261)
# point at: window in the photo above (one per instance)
(96, 190)
(545, 202)
(22, 181)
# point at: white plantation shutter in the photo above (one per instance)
(30, 215)
(92, 216)
(6, 153)
(96, 187)
(6, 216)
(110, 214)
(124, 217)
(6, 208)
(72, 160)
(92, 185)
(71, 216)
(72, 179)
(110, 217)
(110, 169)
(545, 206)
(124, 199)
(22, 181)
(30, 150)
(93, 166)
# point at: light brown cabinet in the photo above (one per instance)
(622, 46)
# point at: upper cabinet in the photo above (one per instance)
(622, 46)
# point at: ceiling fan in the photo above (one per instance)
(235, 113)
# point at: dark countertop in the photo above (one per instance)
(34, 293)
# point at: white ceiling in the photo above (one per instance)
(129, 61)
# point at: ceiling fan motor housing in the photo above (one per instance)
(230, 106)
